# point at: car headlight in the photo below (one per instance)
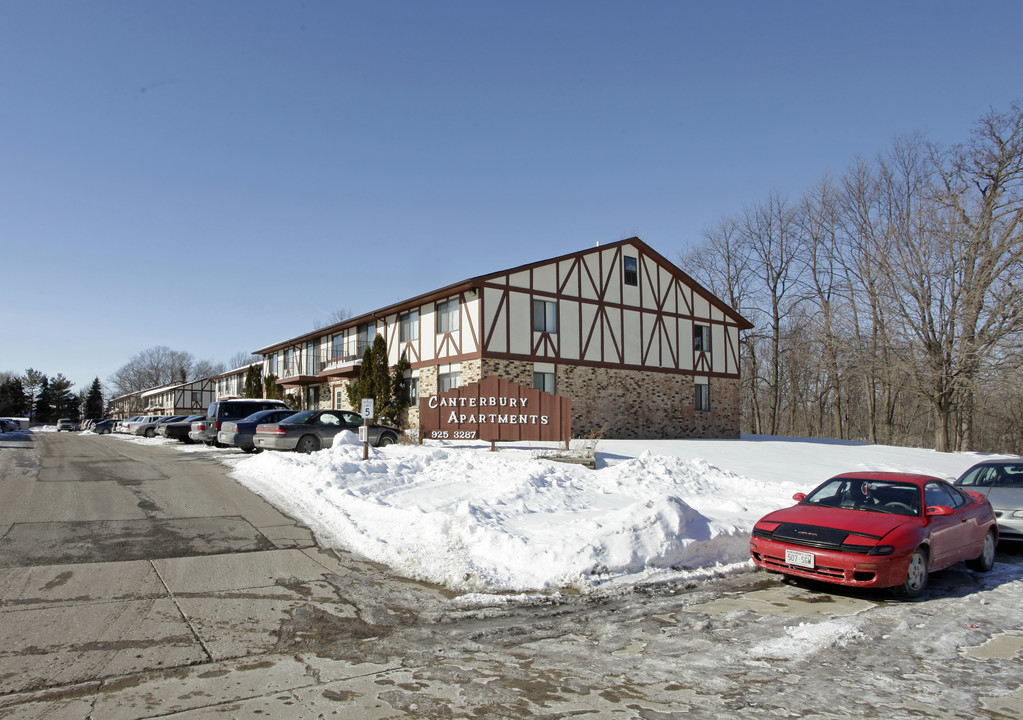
(881, 550)
(1018, 514)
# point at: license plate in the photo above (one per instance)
(799, 559)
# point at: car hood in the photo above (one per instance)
(862, 522)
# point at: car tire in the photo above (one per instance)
(387, 439)
(150, 433)
(249, 449)
(307, 444)
(916, 575)
(986, 560)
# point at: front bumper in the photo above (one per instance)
(842, 568)
(274, 442)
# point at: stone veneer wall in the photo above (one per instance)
(616, 403)
(608, 402)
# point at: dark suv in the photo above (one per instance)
(206, 430)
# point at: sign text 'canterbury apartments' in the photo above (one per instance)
(495, 409)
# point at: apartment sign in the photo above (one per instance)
(495, 409)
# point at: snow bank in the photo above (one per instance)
(478, 521)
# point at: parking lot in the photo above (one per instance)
(138, 581)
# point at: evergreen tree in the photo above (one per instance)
(94, 401)
(32, 381)
(254, 382)
(13, 399)
(381, 371)
(64, 402)
(363, 388)
(400, 400)
(271, 389)
(44, 402)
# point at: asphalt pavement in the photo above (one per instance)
(137, 581)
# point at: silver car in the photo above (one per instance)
(311, 430)
(148, 429)
(1002, 482)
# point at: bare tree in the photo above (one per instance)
(158, 366)
(335, 318)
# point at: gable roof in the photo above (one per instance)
(475, 282)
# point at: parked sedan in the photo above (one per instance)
(103, 427)
(179, 430)
(1001, 481)
(239, 433)
(65, 424)
(311, 430)
(877, 530)
(148, 429)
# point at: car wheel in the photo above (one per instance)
(986, 560)
(916, 575)
(307, 444)
(387, 439)
(249, 449)
(150, 432)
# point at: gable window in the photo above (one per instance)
(701, 338)
(702, 396)
(410, 326)
(545, 316)
(631, 271)
(447, 316)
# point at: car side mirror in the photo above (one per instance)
(799, 497)
(939, 510)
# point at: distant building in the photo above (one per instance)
(641, 349)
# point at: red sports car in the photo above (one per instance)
(877, 529)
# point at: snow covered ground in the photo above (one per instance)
(513, 521)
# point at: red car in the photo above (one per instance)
(877, 530)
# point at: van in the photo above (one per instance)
(206, 430)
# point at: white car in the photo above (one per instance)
(65, 424)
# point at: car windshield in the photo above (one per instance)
(866, 494)
(996, 475)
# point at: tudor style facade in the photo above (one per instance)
(641, 348)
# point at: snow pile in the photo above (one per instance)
(478, 521)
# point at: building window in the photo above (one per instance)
(339, 397)
(411, 391)
(544, 381)
(447, 381)
(337, 347)
(410, 326)
(312, 360)
(367, 334)
(289, 362)
(447, 316)
(545, 316)
(312, 396)
(701, 338)
(702, 396)
(631, 271)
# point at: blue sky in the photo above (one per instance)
(218, 176)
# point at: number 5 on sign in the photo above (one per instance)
(367, 408)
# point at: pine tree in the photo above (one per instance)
(94, 401)
(44, 402)
(254, 382)
(271, 389)
(13, 399)
(381, 375)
